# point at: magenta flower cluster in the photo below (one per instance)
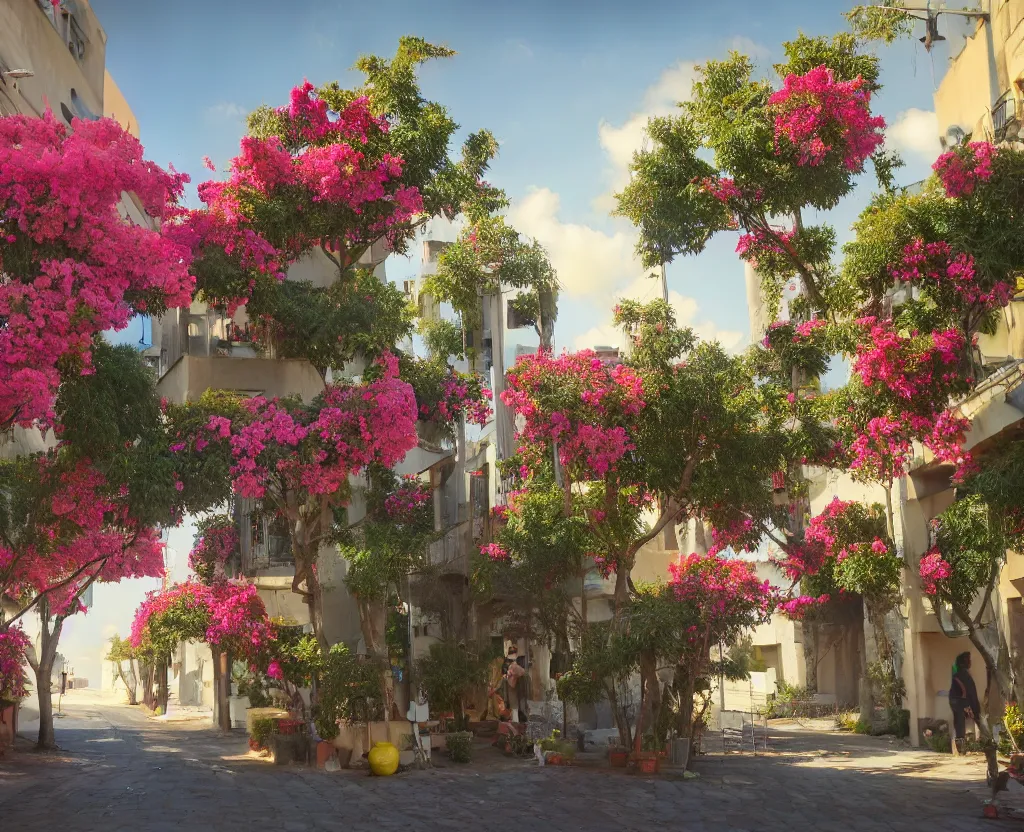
(961, 169)
(73, 267)
(13, 681)
(933, 568)
(816, 115)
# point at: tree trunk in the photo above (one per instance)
(133, 685)
(222, 687)
(147, 678)
(546, 324)
(621, 723)
(811, 635)
(305, 554)
(43, 667)
(651, 693)
(373, 635)
(1001, 676)
(684, 685)
(162, 692)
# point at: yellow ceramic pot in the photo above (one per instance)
(383, 759)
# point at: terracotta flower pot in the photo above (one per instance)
(324, 752)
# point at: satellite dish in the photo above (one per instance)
(955, 136)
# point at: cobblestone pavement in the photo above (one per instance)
(120, 771)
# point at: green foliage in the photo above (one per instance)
(298, 654)
(262, 730)
(519, 745)
(443, 339)
(547, 554)
(488, 255)
(940, 742)
(557, 745)
(351, 689)
(974, 546)
(460, 746)
(881, 21)
(382, 550)
(448, 673)
(604, 657)
(356, 315)
(862, 726)
(206, 476)
(120, 650)
(664, 198)
(1013, 726)
(1000, 484)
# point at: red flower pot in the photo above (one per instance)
(253, 745)
(648, 765)
(618, 759)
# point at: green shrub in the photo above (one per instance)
(261, 731)
(862, 726)
(1013, 723)
(557, 744)
(351, 689)
(448, 673)
(460, 745)
(519, 744)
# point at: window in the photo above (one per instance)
(76, 39)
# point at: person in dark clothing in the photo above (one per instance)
(963, 698)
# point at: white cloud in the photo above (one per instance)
(750, 48)
(226, 111)
(660, 99)
(589, 262)
(687, 314)
(915, 131)
(602, 267)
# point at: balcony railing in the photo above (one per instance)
(1005, 123)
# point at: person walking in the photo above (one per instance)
(963, 699)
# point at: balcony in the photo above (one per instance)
(451, 553)
(1005, 120)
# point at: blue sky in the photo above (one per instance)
(565, 85)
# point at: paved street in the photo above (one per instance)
(122, 771)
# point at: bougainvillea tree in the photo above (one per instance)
(679, 430)
(216, 542)
(294, 459)
(925, 274)
(333, 174)
(89, 509)
(383, 551)
(73, 265)
(227, 615)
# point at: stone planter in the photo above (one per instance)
(352, 738)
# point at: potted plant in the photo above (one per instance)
(262, 729)
(326, 725)
(557, 752)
